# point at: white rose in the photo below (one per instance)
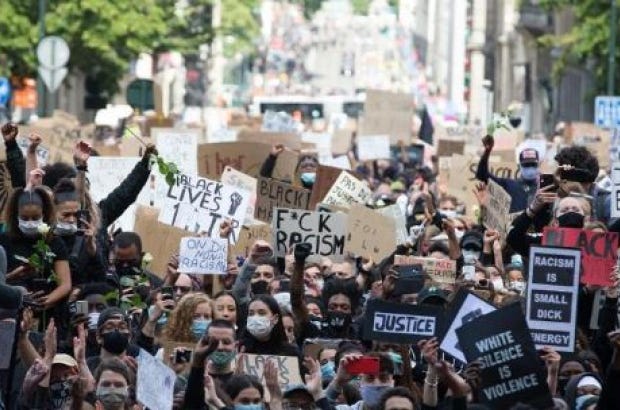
(147, 259)
(43, 229)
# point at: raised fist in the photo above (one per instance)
(302, 251)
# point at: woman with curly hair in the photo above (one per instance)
(189, 319)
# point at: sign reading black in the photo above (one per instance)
(399, 323)
(511, 371)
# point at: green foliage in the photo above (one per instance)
(168, 169)
(360, 6)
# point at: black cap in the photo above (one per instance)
(529, 156)
(109, 313)
(472, 239)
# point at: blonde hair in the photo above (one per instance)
(179, 326)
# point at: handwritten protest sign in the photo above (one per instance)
(388, 113)
(439, 270)
(511, 371)
(238, 179)
(370, 234)
(203, 255)
(200, 205)
(42, 153)
(288, 368)
(589, 135)
(323, 230)
(275, 194)
(248, 235)
(155, 385)
(552, 294)
(325, 178)
(615, 190)
(371, 147)
(179, 146)
(497, 208)
(289, 140)
(401, 323)
(447, 147)
(347, 190)
(598, 251)
(400, 222)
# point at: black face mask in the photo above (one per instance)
(127, 270)
(115, 342)
(562, 382)
(260, 287)
(338, 321)
(571, 220)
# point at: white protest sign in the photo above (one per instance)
(43, 154)
(552, 293)
(323, 142)
(223, 135)
(106, 174)
(155, 385)
(371, 147)
(467, 307)
(615, 190)
(288, 368)
(497, 208)
(200, 205)
(278, 122)
(203, 255)
(238, 179)
(341, 161)
(400, 222)
(347, 190)
(325, 231)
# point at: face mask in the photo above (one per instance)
(338, 320)
(328, 371)
(529, 173)
(308, 178)
(65, 229)
(316, 321)
(470, 255)
(248, 406)
(124, 270)
(283, 299)
(93, 318)
(163, 319)
(498, 283)
(222, 359)
(259, 288)
(115, 342)
(448, 213)
(517, 286)
(516, 259)
(371, 394)
(571, 220)
(60, 393)
(29, 228)
(112, 397)
(259, 326)
(396, 358)
(199, 327)
(562, 382)
(580, 401)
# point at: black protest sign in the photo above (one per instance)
(552, 293)
(325, 231)
(275, 194)
(400, 323)
(511, 371)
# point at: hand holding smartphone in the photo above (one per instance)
(363, 365)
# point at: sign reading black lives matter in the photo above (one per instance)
(511, 371)
(276, 194)
(552, 293)
(398, 323)
(325, 231)
(200, 205)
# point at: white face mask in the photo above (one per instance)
(469, 255)
(65, 229)
(517, 286)
(29, 228)
(259, 326)
(449, 213)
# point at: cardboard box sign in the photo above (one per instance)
(323, 230)
(370, 234)
(598, 251)
(511, 368)
(276, 194)
(439, 270)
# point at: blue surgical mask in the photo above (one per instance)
(371, 394)
(529, 173)
(163, 319)
(328, 371)
(308, 178)
(248, 406)
(199, 327)
(580, 401)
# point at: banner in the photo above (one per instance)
(325, 231)
(275, 194)
(511, 370)
(439, 270)
(552, 293)
(370, 234)
(238, 179)
(155, 382)
(203, 255)
(388, 113)
(400, 221)
(347, 190)
(199, 205)
(615, 190)
(288, 368)
(371, 147)
(497, 208)
(466, 307)
(401, 323)
(598, 251)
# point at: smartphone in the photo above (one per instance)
(469, 272)
(182, 356)
(545, 180)
(81, 307)
(82, 215)
(363, 365)
(167, 293)
(40, 284)
(285, 286)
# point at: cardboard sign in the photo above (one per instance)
(289, 140)
(155, 383)
(615, 190)
(370, 234)
(323, 230)
(248, 235)
(275, 194)
(511, 370)
(247, 157)
(322, 142)
(158, 239)
(497, 208)
(200, 205)
(238, 179)
(552, 292)
(179, 146)
(388, 113)
(347, 190)
(446, 148)
(203, 255)
(439, 270)
(341, 141)
(400, 221)
(598, 251)
(371, 147)
(326, 176)
(466, 307)
(401, 323)
(592, 137)
(288, 368)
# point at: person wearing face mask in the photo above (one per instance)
(251, 280)
(30, 212)
(583, 390)
(372, 386)
(471, 245)
(305, 171)
(522, 189)
(515, 279)
(113, 380)
(246, 393)
(85, 259)
(127, 259)
(328, 366)
(113, 336)
(190, 319)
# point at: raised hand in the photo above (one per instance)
(9, 132)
